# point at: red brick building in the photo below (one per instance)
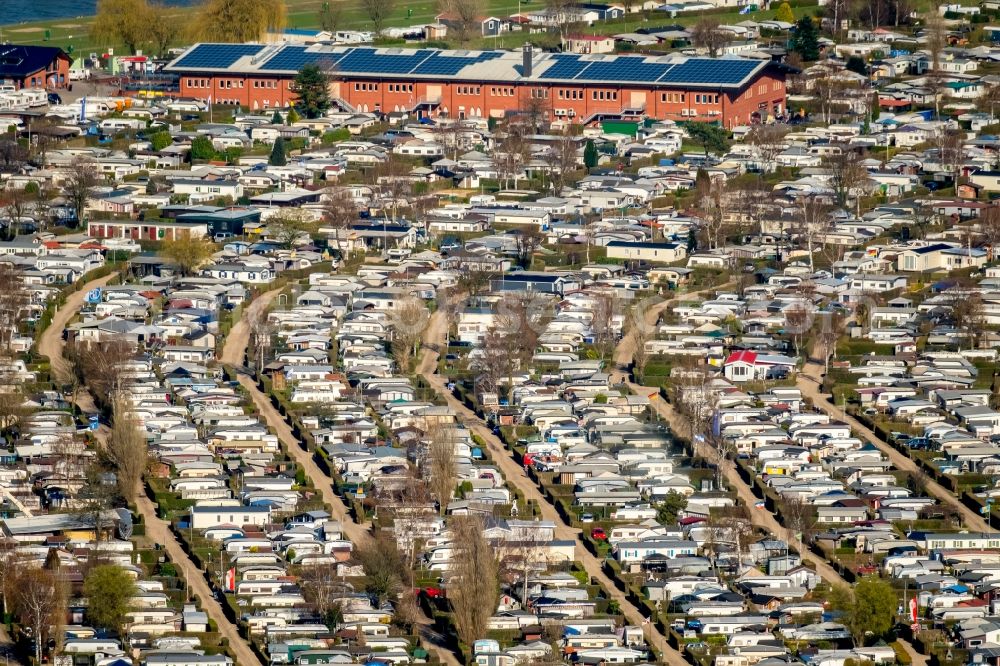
(34, 66)
(469, 84)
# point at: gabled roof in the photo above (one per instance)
(18, 61)
(742, 356)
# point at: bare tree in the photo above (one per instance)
(383, 566)
(441, 466)
(393, 185)
(937, 40)
(466, 18)
(377, 12)
(84, 176)
(126, 448)
(527, 241)
(989, 228)
(799, 516)
(16, 207)
(950, 145)
(324, 590)
(812, 219)
(96, 500)
(261, 331)
(768, 141)
(639, 331)
(707, 34)
(511, 341)
(848, 175)
(408, 320)
(340, 211)
(40, 600)
(103, 366)
(828, 335)
(605, 308)
(511, 156)
(798, 317)
(969, 314)
(560, 15)
(15, 302)
(714, 208)
(291, 226)
(562, 159)
(474, 587)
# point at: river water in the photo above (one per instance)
(19, 11)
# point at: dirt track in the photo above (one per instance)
(51, 344)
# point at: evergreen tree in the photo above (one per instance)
(784, 13)
(276, 119)
(277, 157)
(590, 156)
(293, 116)
(312, 86)
(805, 41)
(857, 65)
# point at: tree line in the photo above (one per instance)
(150, 24)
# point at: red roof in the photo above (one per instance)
(743, 356)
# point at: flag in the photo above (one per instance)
(230, 582)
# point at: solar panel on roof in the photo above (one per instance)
(450, 65)
(371, 61)
(565, 67)
(706, 71)
(217, 56)
(623, 69)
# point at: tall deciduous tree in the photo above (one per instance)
(409, 320)
(126, 448)
(40, 602)
(109, 590)
(474, 588)
(383, 565)
(188, 252)
(707, 34)
(466, 18)
(129, 22)
(377, 12)
(441, 464)
(312, 86)
(870, 607)
(324, 589)
(238, 20)
(330, 16)
(101, 367)
(340, 211)
(14, 303)
(79, 186)
(291, 226)
(163, 28)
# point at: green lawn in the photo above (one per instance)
(75, 32)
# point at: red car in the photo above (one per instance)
(431, 592)
(598, 534)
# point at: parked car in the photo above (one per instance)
(586, 518)
(598, 534)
